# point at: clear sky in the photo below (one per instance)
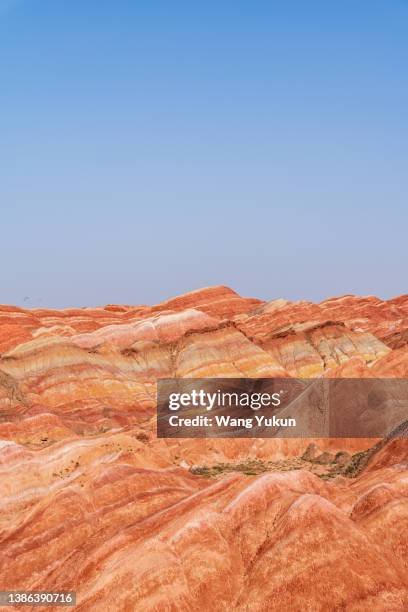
(150, 147)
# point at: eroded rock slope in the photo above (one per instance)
(92, 501)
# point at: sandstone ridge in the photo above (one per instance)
(92, 501)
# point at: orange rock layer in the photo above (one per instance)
(92, 501)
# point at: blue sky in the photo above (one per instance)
(149, 148)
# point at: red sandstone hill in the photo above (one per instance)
(91, 501)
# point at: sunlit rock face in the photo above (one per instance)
(92, 501)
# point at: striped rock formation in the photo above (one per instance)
(92, 501)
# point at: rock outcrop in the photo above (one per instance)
(92, 501)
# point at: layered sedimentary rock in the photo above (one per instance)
(92, 501)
